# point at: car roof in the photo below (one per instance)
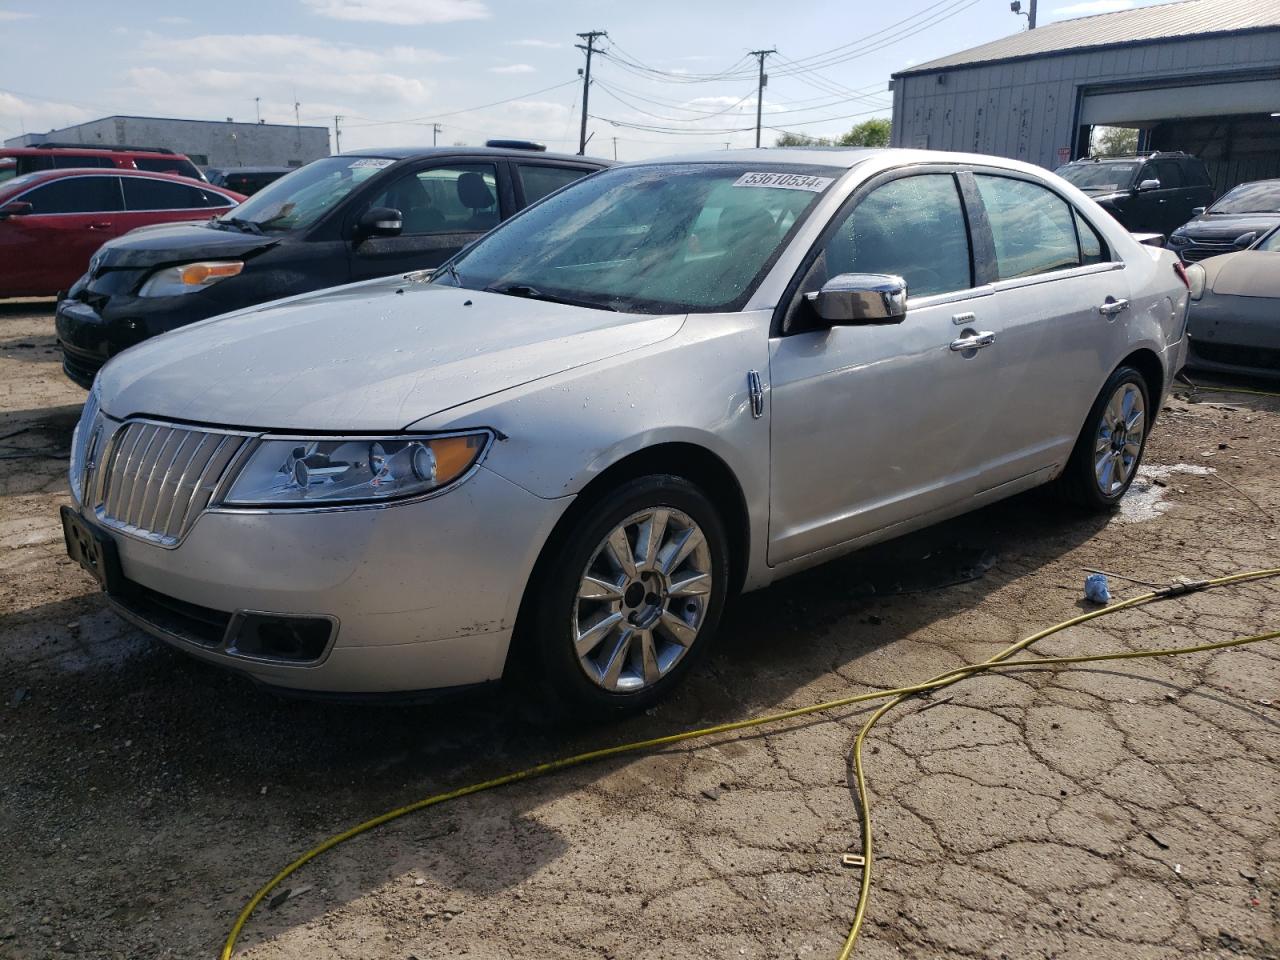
(842, 158)
(407, 153)
(232, 171)
(87, 151)
(41, 176)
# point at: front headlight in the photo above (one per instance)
(1195, 280)
(189, 277)
(298, 472)
(1178, 239)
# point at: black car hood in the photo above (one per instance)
(1228, 226)
(178, 243)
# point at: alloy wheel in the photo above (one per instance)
(1119, 441)
(642, 599)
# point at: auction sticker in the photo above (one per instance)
(784, 181)
(369, 162)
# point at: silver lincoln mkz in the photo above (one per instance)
(664, 384)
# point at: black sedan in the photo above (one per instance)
(1243, 215)
(344, 218)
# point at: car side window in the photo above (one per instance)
(1169, 173)
(459, 198)
(1092, 247)
(69, 163)
(913, 227)
(77, 195)
(538, 181)
(1032, 227)
(146, 194)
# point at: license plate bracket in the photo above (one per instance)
(92, 549)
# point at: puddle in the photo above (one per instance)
(1146, 498)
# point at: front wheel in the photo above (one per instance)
(629, 601)
(1109, 450)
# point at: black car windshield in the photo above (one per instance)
(301, 198)
(666, 238)
(1099, 176)
(1260, 197)
(1270, 243)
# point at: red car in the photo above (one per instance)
(15, 161)
(53, 221)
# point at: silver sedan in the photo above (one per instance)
(1234, 325)
(667, 383)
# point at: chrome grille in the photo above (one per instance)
(159, 478)
(1202, 250)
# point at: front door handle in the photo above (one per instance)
(100, 225)
(975, 341)
(1112, 307)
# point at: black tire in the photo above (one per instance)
(551, 626)
(1078, 484)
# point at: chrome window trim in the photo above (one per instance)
(955, 296)
(233, 471)
(1016, 283)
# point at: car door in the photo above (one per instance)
(1064, 304)
(69, 219)
(444, 207)
(1172, 200)
(875, 425)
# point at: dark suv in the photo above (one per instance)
(1155, 193)
(355, 216)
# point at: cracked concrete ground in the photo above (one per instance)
(1127, 810)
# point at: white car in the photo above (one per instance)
(667, 383)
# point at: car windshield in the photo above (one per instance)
(1271, 242)
(301, 198)
(1262, 197)
(666, 238)
(1099, 176)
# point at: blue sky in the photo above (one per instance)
(390, 67)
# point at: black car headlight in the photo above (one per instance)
(189, 277)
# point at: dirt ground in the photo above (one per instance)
(1129, 811)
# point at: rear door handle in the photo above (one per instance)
(100, 225)
(1112, 307)
(974, 341)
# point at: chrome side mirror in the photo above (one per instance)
(1148, 185)
(1196, 211)
(851, 299)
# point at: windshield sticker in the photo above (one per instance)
(369, 162)
(784, 181)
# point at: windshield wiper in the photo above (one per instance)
(533, 293)
(244, 226)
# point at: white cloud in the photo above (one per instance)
(7, 15)
(405, 12)
(514, 68)
(1090, 7)
(540, 44)
(39, 115)
(282, 49)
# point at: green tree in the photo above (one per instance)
(789, 139)
(1113, 141)
(869, 133)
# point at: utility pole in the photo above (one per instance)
(763, 81)
(615, 148)
(590, 36)
(435, 132)
(337, 131)
(297, 120)
(257, 108)
(1030, 14)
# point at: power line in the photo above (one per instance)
(425, 120)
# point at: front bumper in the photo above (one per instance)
(421, 595)
(1239, 335)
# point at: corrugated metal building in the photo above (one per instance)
(209, 143)
(1200, 75)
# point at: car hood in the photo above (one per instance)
(1226, 227)
(164, 243)
(1249, 273)
(366, 357)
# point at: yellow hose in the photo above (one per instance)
(1198, 388)
(896, 696)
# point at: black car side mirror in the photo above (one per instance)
(379, 222)
(18, 208)
(857, 299)
(1146, 185)
(1245, 240)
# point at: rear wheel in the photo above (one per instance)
(629, 600)
(1110, 447)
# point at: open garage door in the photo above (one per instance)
(1230, 124)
